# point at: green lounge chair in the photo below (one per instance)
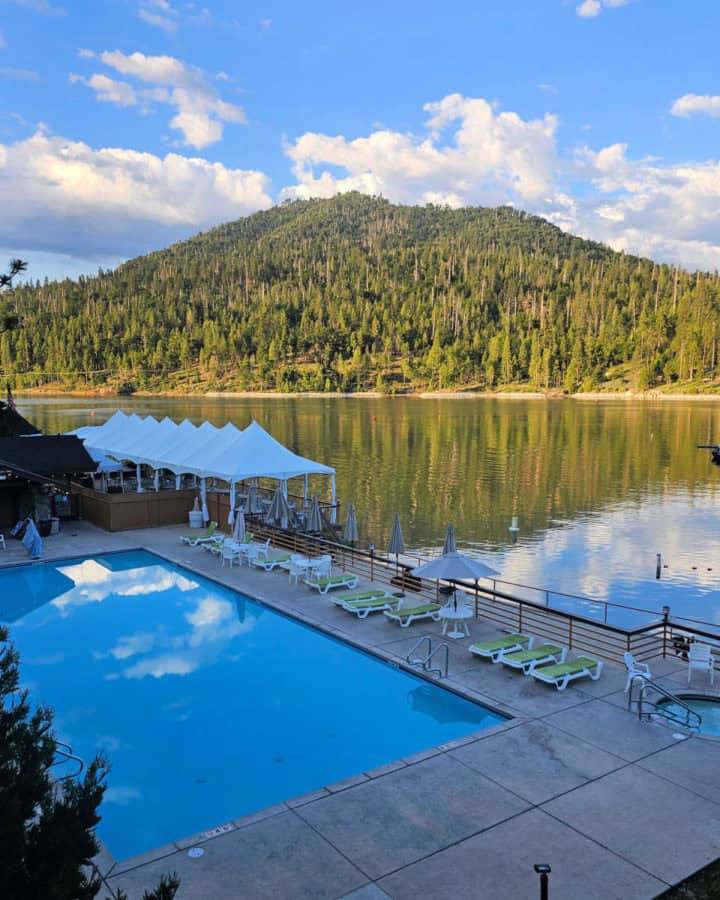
(328, 582)
(527, 660)
(496, 649)
(406, 615)
(563, 673)
(371, 594)
(270, 561)
(193, 539)
(361, 608)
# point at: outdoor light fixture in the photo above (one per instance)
(543, 870)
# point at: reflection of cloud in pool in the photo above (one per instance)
(94, 583)
(120, 795)
(213, 624)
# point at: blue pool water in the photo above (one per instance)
(209, 705)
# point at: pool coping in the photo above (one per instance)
(105, 862)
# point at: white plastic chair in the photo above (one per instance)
(700, 657)
(2, 541)
(296, 571)
(323, 569)
(229, 554)
(635, 668)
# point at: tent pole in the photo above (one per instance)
(138, 475)
(156, 480)
(333, 511)
(177, 482)
(231, 514)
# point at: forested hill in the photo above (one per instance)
(354, 293)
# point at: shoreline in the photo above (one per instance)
(594, 396)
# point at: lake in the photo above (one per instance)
(598, 487)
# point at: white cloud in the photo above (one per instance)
(490, 156)
(110, 91)
(62, 196)
(40, 6)
(19, 74)
(589, 9)
(697, 105)
(200, 113)
(158, 13)
(265, 23)
(667, 212)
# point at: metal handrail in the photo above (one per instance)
(646, 683)
(418, 661)
(439, 647)
(66, 755)
(423, 662)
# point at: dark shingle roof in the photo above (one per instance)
(58, 454)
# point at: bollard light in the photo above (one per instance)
(543, 870)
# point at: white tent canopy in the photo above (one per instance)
(226, 453)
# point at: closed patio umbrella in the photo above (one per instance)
(350, 532)
(314, 520)
(279, 510)
(239, 526)
(397, 544)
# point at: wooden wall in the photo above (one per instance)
(122, 512)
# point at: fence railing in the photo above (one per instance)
(494, 602)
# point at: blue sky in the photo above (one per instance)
(126, 124)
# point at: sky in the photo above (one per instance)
(126, 125)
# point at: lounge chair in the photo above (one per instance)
(370, 594)
(527, 660)
(406, 615)
(271, 561)
(194, 539)
(496, 649)
(361, 606)
(328, 582)
(563, 673)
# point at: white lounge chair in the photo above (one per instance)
(194, 539)
(497, 648)
(406, 615)
(529, 660)
(363, 602)
(326, 583)
(561, 674)
(700, 657)
(635, 668)
(271, 561)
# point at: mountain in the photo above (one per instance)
(355, 293)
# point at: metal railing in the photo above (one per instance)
(495, 602)
(423, 662)
(691, 720)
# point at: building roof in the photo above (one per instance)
(12, 424)
(45, 455)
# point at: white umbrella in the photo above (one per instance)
(314, 519)
(350, 532)
(453, 565)
(239, 527)
(279, 509)
(397, 544)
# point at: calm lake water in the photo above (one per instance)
(598, 487)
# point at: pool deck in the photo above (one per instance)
(618, 808)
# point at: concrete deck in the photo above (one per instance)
(618, 808)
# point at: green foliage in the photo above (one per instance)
(353, 292)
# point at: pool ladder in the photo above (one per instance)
(64, 755)
(691, 719)
(424, 662)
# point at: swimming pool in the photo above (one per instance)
(209, 705)
(708, 708)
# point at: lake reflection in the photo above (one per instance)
(599, 488)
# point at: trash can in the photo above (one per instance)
(43, 527)
(54, 525)
(195, 518)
